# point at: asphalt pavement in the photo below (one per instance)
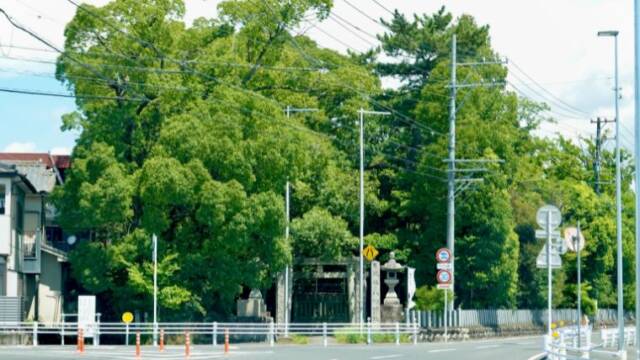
(501, 349)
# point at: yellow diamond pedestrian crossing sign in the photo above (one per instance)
(370, 252)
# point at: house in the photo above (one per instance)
(33, 258)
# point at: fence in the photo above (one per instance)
(504, 318)
(215, 332)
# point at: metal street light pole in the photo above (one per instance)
(155, 290)
(614, 34)
(579, 264)
(636, 68)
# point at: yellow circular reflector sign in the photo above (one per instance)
(127, 317)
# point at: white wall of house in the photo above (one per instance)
(5, 219)
(50, 289)
(12, 283)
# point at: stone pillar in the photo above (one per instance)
(352, 292)
(280, 300)
(375, 292)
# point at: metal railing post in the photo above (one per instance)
(369, 331)
(397, 333)
(271, 334)
(126, 336)
(96, 334)
(35, 333)
(214, 340)
(62, 331)
(324, 334)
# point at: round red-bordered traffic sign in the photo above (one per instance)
(443, 255)
(443, 277)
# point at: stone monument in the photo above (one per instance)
(253, 307)
(375, 292)
(391, 307)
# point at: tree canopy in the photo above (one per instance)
(184, 134)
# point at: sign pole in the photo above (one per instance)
(446, 314)
(578, 250)
(155, 290)
(549, 274)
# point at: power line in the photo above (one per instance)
(63, 95)
(568, 106)
(353, 26)
(383, 7)
(363, 13)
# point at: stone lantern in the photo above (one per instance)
(391, 307)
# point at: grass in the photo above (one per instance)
(353, 336)
(299, 339)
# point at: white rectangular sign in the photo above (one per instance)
(444, 266)
(444, 286)
(542, 234)
(87, 314)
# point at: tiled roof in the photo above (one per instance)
(62, 162)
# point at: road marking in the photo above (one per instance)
(386, 356)
(440, 350)
(487, 346)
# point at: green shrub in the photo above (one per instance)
(299, 339)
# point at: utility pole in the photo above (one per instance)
(288, 110)
(597, 164)
(451, 177)
(362, 112)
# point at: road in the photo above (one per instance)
(501, 349)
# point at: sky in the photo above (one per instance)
(552, 49)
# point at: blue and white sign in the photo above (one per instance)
(443, 255)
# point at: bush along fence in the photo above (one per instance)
(505, 318)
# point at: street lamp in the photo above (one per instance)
(614, 34)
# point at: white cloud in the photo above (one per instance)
(20, 147)
(61, 150)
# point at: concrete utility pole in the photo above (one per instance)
(451, 175)
(600, 122)
(362, 112)
(614, 34)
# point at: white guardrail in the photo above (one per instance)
(215, 331)
(564, 344)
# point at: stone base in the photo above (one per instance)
(392, 313)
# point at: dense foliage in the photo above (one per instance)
(184, 134)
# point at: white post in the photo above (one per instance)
(155, 290)
(636, 146)
(368, 331)
(96, 335)
(579, 264)
(126, 339)
(62, 332)
(415, 330)
(324, 334)
(397, 333)
(451, 180)
(271, 334)
(35, 333)
(214, 340)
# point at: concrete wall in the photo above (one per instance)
(50, 289)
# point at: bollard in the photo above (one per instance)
(137, 344)
(214, 335)
(126, 335)
(187, 344)
(80, 346)
(161, 340)
(324, 334)
(369, 331)
(62, 332)
(226, 340)
(35, 333)
(397, 333)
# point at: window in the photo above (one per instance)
(3, 276)
(2, 207)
